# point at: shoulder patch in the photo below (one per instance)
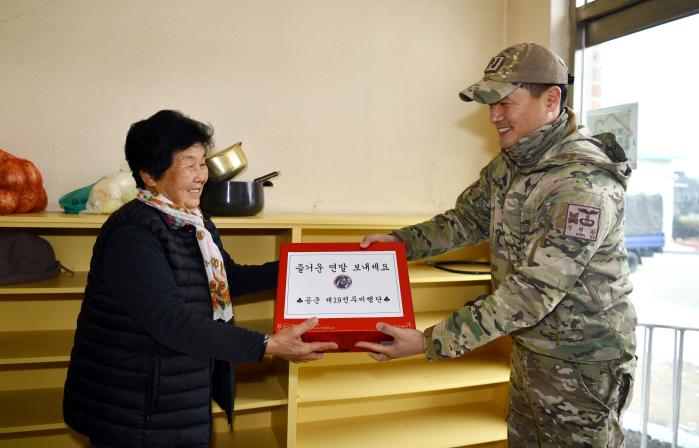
(582, 222)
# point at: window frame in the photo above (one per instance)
(599, 21)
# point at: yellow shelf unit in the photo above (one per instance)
(66, 282)
(346, 397)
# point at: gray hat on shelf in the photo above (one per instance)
(26, 258)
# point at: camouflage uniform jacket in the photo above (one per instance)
(559, 267)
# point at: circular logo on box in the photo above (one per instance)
(343, 281)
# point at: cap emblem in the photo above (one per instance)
(494, 64)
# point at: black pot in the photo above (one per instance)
(235, 198)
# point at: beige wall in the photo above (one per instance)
(545, 22)
(354, 101)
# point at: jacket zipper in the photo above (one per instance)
(514, 171)
(153, 399)
(558, 331)
(540, 241)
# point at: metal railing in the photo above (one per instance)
(678, 355)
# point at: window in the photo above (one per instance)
(641, 87)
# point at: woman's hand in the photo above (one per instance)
(406, 342)
(287, 344)
(377, 238)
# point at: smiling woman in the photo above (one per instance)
(183, 182)
(155, 338)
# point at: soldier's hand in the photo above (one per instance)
(406, 342)
(287, 344)
(377, 238)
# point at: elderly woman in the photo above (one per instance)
(155, 340)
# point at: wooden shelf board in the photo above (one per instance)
(62, 284)
(403, 377)
(461, 425)
(27, 347)
(310, 222)
(33, 347)
(52, 220)
(75, 283)
(58, 219)
(256, 391)
(422, 273)
(31, 410)
(262, 438)
(41, 409)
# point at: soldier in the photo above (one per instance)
(551, 203)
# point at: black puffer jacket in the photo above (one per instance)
(143, 369)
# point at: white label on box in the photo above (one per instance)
(342, 284)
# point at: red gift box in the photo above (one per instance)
(348, 288)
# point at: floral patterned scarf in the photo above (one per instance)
(213, 261)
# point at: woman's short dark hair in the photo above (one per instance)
(537, 90)
(151, 143)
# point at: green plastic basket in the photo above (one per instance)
(74, 202)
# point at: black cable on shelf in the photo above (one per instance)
(442, 265)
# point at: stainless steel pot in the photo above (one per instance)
(235, 198)
(228, 163)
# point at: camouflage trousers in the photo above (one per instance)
(556, 403)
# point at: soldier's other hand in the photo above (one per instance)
(377, 238)
(406, 342)
(287, 343)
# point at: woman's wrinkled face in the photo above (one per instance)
(183, 181)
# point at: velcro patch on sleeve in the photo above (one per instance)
(582, 222)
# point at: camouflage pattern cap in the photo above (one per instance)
(526, 62)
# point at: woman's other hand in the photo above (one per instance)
(287, 344)
(377, 238)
